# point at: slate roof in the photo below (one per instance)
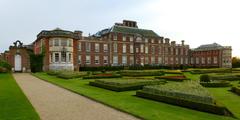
(132, 30)
(57, 33)
(205, 47)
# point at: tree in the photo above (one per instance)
(235, 62)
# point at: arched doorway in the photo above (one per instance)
(18, 63)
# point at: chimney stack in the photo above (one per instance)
(182, 42)
(173, 43)
(167, 40)
(78, 34)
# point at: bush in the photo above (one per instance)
(5, 66)
(229, 77)
(70, 75)
(204, 78)
(221, 83)
(36, 62)
(217, 70)
(236, 89)
(124, 85)
(216, 109)
(172, 78)
(99, 76)
(141, 73)
(53, 73)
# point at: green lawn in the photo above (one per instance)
(13, 103)
(126, 101)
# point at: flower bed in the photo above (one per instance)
(221, 83)
(172, 72)
(124, 84)
(187, 94)
(172, 78)
(141, 73)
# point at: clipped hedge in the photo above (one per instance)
(70, 75)
(225, 77)
(173, 72)
(5, 66)
(172, 78)
(141, 73)
(53, 73)
(236, 89)
(100, 76)
(216, 84)
(204, 71)
(124, 85)
(220, 110)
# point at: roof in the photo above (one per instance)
(205, 47)
(132, 30)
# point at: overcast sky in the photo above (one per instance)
(195, 21)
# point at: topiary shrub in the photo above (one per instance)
(204, 78)
(5, 66)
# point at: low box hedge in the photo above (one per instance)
(229, 77)
(172, 78)
(236, 89)
(141, 73)
(100, 76)
(216, 84)
(70, 75)
(121, 85)
(173, 72)
(216, 109)
(53, 73)
(204, 71)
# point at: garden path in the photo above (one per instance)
(55, 103)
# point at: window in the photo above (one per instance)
(124, 49)
(215, 60)
(152, 40)
(96, 47)
(51, 57)
(115, 47)
(124, 59)
(142, 48)
(171, 51)
(171, 60)
(105, 47)
(131, 39)
(166, 60)
(181, 60)
(50, 43)
(69, 57)
(146, 40)
(63, 42)
(146, 49)
(88, 47)
(115, 37)
(192, 60)
(131, 48)
(105, 59)
(115, 59)
(209, 60)
(153, 50)
(88, 61)
(186, 52)
(79, 59)
(56, 57)
(159, 50)
(56, 42)
(166, 50)
(182, 51)
(63, 57)
(153, 60)
(96, 61)
(131, 60)
(197, 60)
(79, 46)
(176, 60)
(176, 51)
(124, 38)
(159, 60)
(70, 43)
(186, 60)
(203, 60)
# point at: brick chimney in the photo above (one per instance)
(167, 40)
(78, 34)
(173, 43)
(130, 23)
(182, 42)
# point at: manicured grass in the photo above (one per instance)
(229, 99)
(13, 103)
(128, 102)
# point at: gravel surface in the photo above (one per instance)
(55, 103)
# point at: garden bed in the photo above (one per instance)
(141, 73)
(124, 85)
(187, 94)
(218, 83)
(102, 75)
(204, 71)
(172, 78)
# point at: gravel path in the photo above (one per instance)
(55, 103)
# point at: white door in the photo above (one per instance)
(18, 63)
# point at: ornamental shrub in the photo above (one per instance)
(204, 78)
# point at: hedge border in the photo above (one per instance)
(236, 90)
(99, 77)
(220, 110)
(215, 84)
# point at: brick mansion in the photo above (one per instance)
(123, 44)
